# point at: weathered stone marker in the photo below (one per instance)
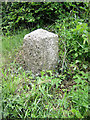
(40, 50)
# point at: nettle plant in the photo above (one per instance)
(73, 40)
(36, 14)
(81, 44)
(79, 95)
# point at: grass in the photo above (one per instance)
(11, 44)
(27, 97)
(51, 95)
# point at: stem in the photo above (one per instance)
(64, 57)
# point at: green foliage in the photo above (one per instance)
(62, 94)
(73, 41)
(79, 43)
(27, 14)
(79, 95)
(36, 14)
(25, 96)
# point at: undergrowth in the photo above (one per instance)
(59, 94)
(27, 96)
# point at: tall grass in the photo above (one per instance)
(50, 95)
(11, 44)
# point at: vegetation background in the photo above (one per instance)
(59, 94)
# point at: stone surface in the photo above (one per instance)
(40, 50)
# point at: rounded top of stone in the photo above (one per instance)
(40, 33)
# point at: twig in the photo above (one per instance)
(64, 56)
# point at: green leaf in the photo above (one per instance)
(77, 113)
(76, 54)
(77, 61)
